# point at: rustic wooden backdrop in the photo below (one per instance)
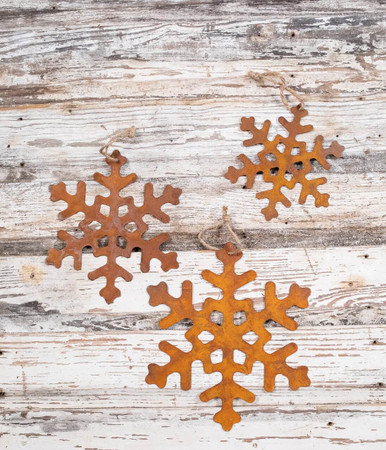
(72, 73)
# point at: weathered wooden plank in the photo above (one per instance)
(99, 394)
(191, 30)
(32, 317)
(347, 285)
(198, 133)
(265, 428)
(52, 156)
(109, 369)
(132, 82)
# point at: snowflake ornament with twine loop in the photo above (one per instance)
(113, 238)
(228, 335)
(288, 166)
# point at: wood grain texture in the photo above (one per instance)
(72, 73)
(347, 287)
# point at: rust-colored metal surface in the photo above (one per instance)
(284, 162)
(231, 326)
(112, 235)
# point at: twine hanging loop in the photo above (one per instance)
(225, 222)
(278, 78)
(127, 133)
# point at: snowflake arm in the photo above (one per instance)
(258, 135)
(227, 391)
(274, 197)
(249, 169)
(115, 182)
(320, 153)
(294, 127)
(73, 247)
(151, 247)
(180, 362)
(75, 203)
(180, 308)
(275, 363)
(152, 205)
(276, 309)
(110, 271)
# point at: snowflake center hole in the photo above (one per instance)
(121, 242)
(105, 210)
(216, 356)
(239, 317)
(122, 210)
(205, 337)
(94, 225)
(217, 317)
(250, 338)
(299, 165)
(295, 151)
(131, 227)
(280, 147)
(239, 357)
(103, 242)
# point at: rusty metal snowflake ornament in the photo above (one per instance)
(113, 230)
(284, 162)
(228, 336)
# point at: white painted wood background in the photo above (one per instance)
(72, 369)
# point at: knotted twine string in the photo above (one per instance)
(128, 133)
(225, 222)
(277, 78)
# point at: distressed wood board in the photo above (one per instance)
(72, 73)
